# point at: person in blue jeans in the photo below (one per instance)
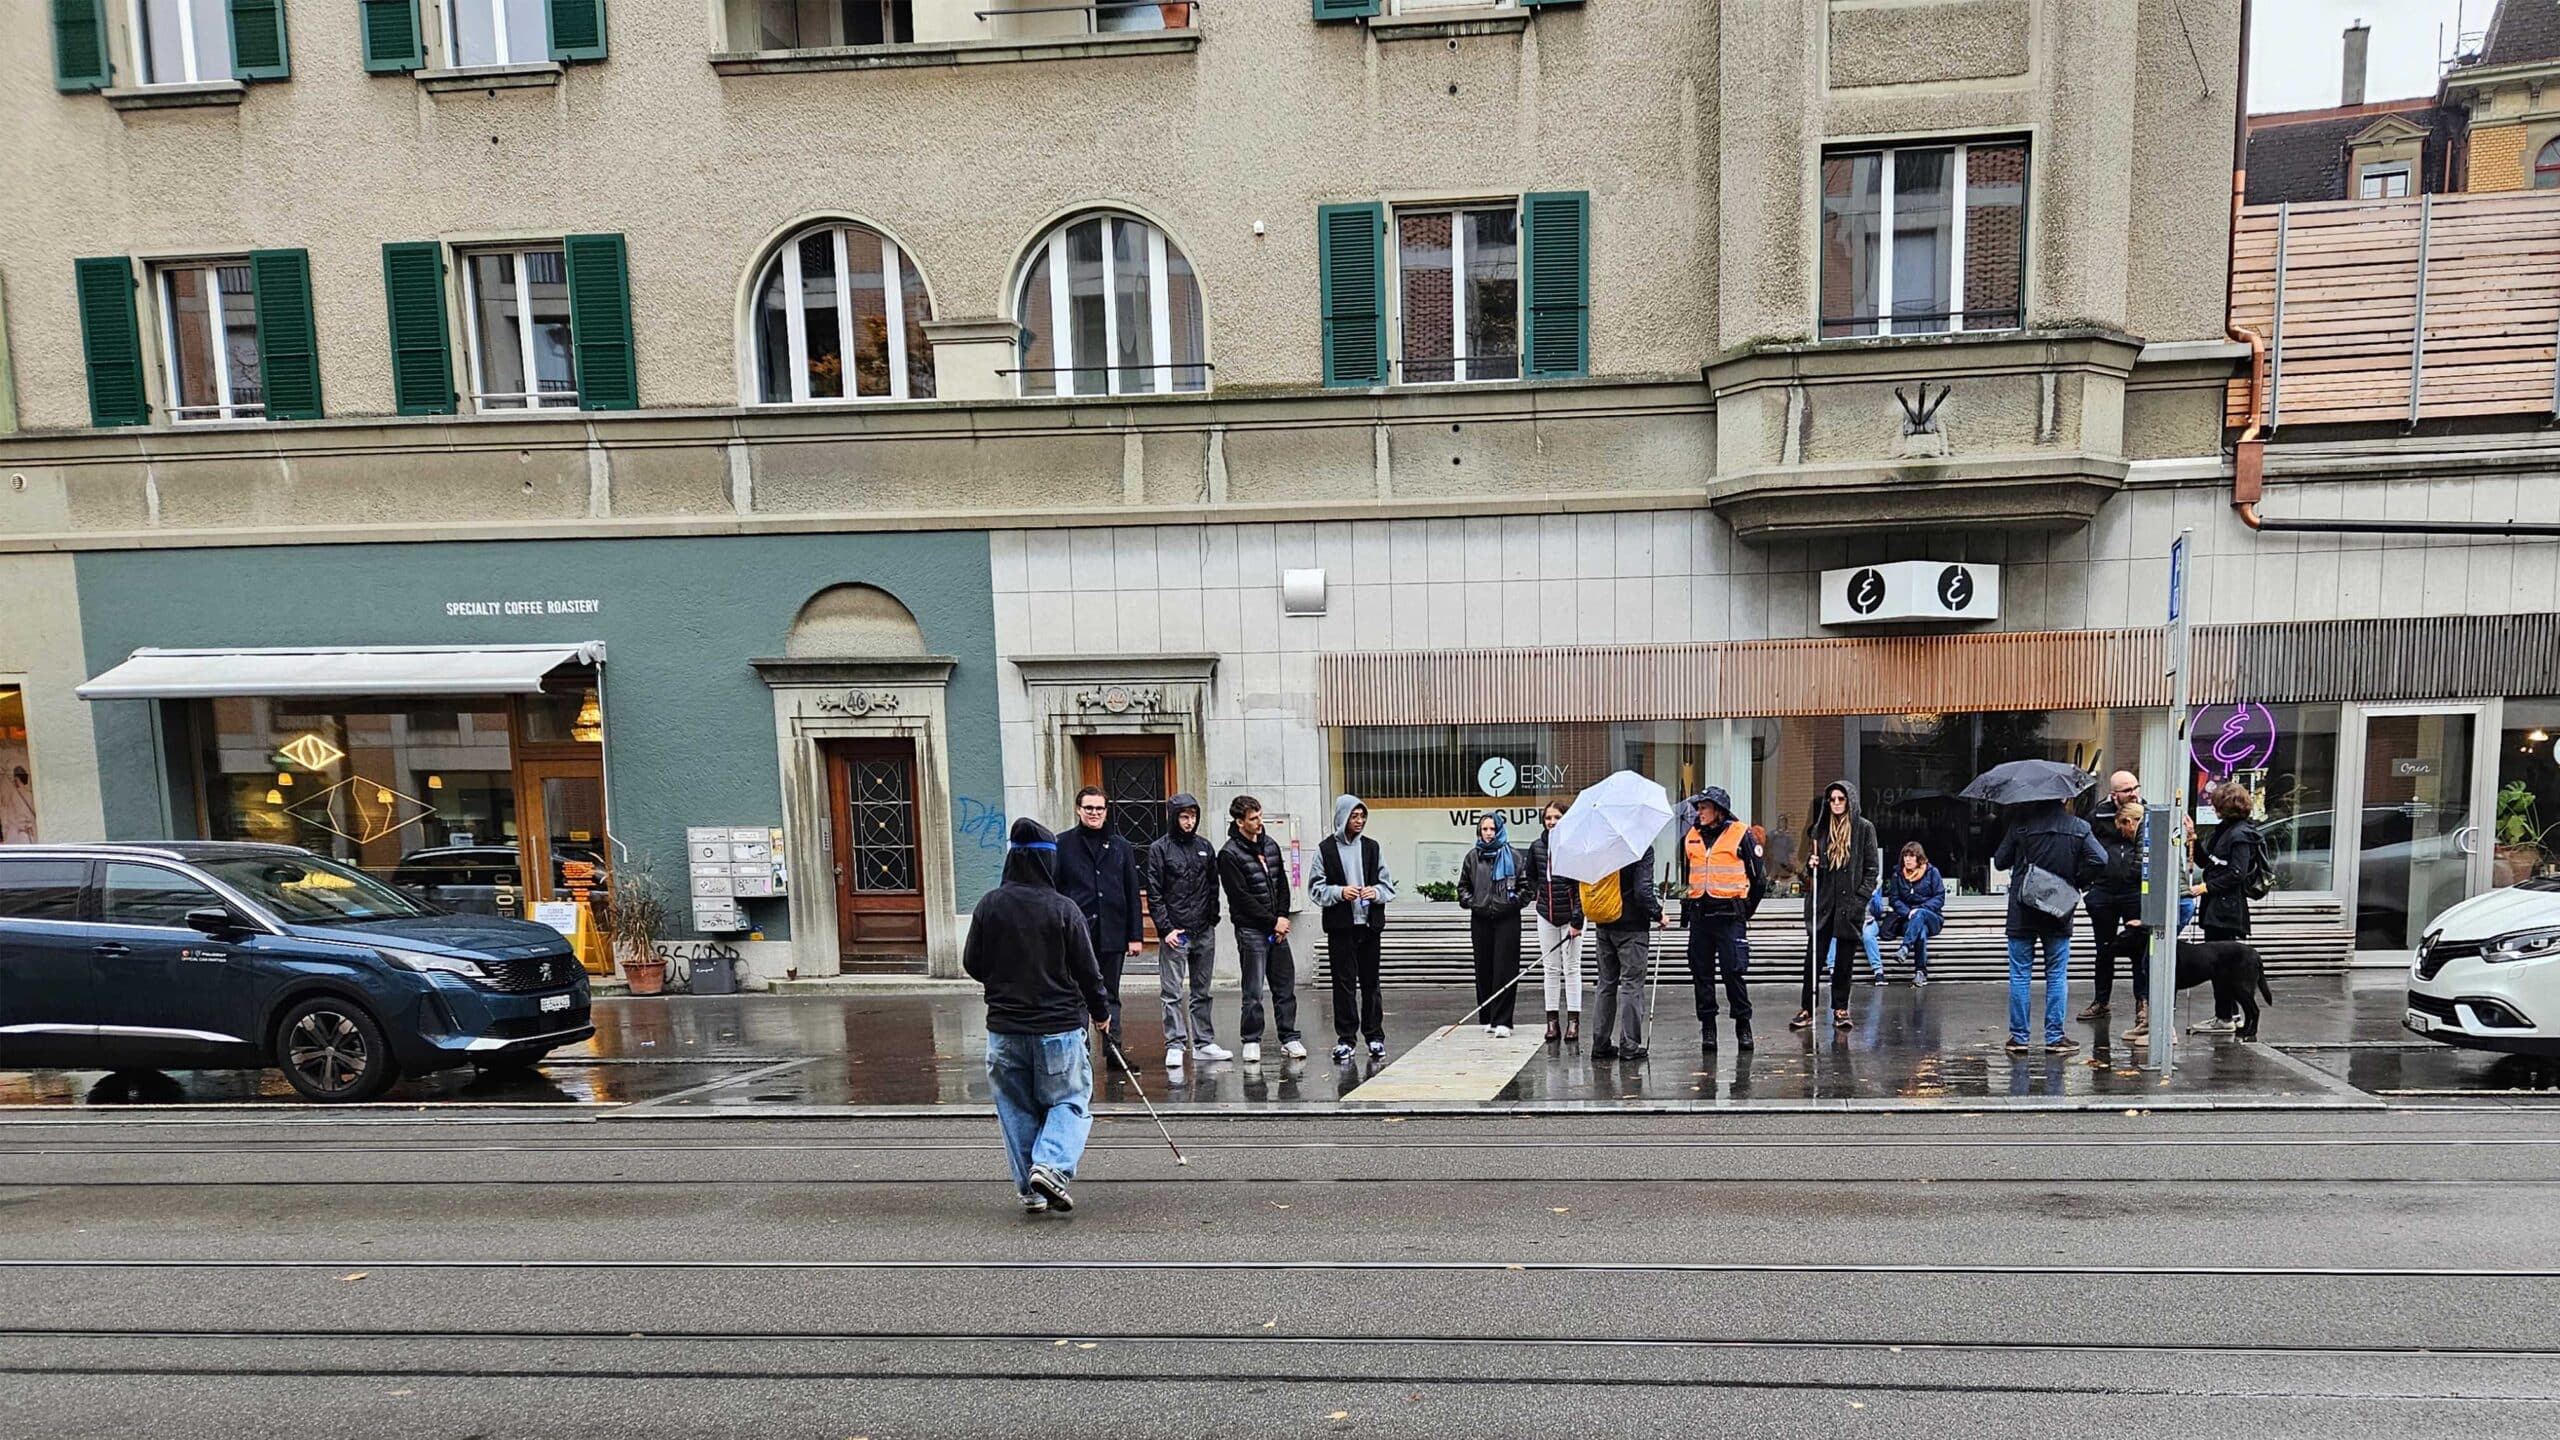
(2052, 839)
(1915, 908)
(1030, 947)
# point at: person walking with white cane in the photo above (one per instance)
(1846, 866)
(1489, 888)
(1032, 950)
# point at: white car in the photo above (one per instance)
(2488, 972)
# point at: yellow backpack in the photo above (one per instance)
(1603, 903)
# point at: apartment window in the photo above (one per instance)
(2383, 182)
(1458, 294)
(1920, 240)
(210, 339)
(516, 306)
(1109, 306)
(2546, 167)
(497, 32)
(817, 24)
(183, 41)
(840, 315)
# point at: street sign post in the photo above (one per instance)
(2168, 871)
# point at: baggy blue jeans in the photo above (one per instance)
(2057, 988)
(1043, 1085)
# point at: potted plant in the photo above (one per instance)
(638, 924)
(2523, 843)
(1177, 14)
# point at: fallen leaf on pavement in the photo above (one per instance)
(399, 1393)
(1274, 1204)
(1857, 1405)
(1339, 1415)
(1560, 1209)
(1515, 1267)
(356, 1276)
(1062, 1344)
(1084, 1344)
(1271, 1324)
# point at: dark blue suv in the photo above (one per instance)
(205, 955)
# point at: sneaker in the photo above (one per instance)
(1493, 1029)
(1173, 1057)
(1253, 1052)
(2064, 1046)
(1377, 1049)
(1214, 1051)
(1294, 1049)
(1033, 1202)
(2214, 1027)
(1631, 1054)
(1919, 978)
(1501, 1032)
(2020, 1047)
(1051, 1186)
(1803, 1021)
(1341, 1053)
(2097, 1011)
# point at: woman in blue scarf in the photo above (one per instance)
(1489, 887)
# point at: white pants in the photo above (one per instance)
(1563, 961)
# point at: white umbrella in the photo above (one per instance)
(1609, 826)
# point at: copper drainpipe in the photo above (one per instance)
(2249, 453)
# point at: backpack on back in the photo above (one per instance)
(1603, 903)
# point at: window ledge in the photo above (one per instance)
(955, 52)
(1450, 24)
(541, 75)
(178, 97)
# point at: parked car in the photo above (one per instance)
(204, 955)
(2488, 972)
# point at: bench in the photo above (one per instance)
(1426, 942)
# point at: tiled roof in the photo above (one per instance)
(2306, 159)
(2521, 32)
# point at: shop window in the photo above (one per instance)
(2287, 756)
(1923, 239)
(1109, 306)
(17, 771)
(2527, 825)
(210, 333)
(516, 307)
(840, 313)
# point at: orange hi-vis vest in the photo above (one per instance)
(1716, 871)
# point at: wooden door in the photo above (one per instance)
(1136, 776)
(562, 843)
(879, 857)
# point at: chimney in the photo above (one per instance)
(2351, 84)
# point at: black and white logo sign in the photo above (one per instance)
(1866, 591)
(1955, 588)
(1497, 777)
(1890, 592)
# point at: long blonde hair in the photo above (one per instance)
(1835, 843)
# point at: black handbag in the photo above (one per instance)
(2046, 893)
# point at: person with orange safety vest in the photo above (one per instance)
(1726, 882)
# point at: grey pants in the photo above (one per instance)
(1624, 957)
(1187, 967)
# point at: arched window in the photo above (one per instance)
(839, 315)
(2546, 167)
(1109, 306)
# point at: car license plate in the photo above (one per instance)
(2418, 1022)
(555, 1002)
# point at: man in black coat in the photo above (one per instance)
(1099, 871)
(1033, 952)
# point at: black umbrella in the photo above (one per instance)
(2024, 782)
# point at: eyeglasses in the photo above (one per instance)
(1093, 809)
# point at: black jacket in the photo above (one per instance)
(1182, 874)
(1844, 893)
(2232, 856)
(2118, 883)
(1559, 900)
(1029, 947)
(1639, 902)
(1480, 892)
(2054, 840)
(1256, 883)
(1099, 871)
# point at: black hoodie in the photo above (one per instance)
(1844, 893)
(1029, 947)
(1182, 873)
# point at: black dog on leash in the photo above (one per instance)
(2238, 975)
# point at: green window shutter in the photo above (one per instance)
(111, 341)
(80, 61)
(421, 347)
(1351, 246)
(577, 29)
(600, 322)
(1345, 9)
(258, 47)
(288, 343)
(393, 41)
(1556, 235)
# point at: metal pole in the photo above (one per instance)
(2418, 322)
(2168, 877)
(2275, 342)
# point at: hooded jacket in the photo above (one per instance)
(1559, 900)
(2233, 855)
(1844, 893)
(2118, 882)
(1342, 862)
(1099, 871)
(1029, 947)
(1256, 883)
(1182, 873)
(2054, 840)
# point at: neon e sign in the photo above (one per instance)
(2226, 739)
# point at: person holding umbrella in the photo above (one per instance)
(1844, 865)
(1606, 842)
(2049, 854)
(1489, 888)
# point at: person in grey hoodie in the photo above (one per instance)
(1182, 898)
(1352, 887)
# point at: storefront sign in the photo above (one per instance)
(1499, 775)
(1910, 590)
(2226, 739)
(477, 609)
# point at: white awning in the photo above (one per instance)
(346, 670)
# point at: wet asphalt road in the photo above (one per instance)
(509, 1273)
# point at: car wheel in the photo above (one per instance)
(514, 1064)
(332, 1050)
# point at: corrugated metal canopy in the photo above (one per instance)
(342, 670)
